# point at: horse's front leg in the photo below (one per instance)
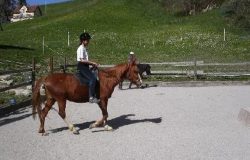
(103, 121)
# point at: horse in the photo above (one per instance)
(60, 87)
(142, 68)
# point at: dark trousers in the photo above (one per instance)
(86, 73)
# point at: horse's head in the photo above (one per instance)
(133, 74)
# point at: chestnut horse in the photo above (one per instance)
(61, 87)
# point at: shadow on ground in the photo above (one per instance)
(124, 120)
(15, 116)
(142, 87)
(116, 123)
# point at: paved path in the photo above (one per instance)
(173, 123)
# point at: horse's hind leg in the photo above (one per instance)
(49, 103)
(62, 113)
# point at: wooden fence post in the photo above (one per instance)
(43, 45)
(65, 65)
(68, 38)
(51, 67)
(195, 69)
(33, 74)
(224, 37)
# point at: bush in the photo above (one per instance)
(187, 7)
(237, 12)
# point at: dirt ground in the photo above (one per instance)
(152, 123)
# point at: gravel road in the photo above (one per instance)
(173, 123)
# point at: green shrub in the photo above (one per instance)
(186, 7)
(237, 12)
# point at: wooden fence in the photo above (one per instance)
(12, 107)
(197, 69)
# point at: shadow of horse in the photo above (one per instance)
(116, 123)
(124, 121)
(142, 87)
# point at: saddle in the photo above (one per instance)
(83, 80)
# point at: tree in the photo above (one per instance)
(1, 17)
(237, 12)
(187, 7)
(6, 9)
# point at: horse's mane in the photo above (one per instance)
(115, 71)
(110, 77)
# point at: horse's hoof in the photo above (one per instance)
(71, 128)
(45, 134)
(76, 132)
(108, 128)
(41, 131)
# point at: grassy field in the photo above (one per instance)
(120, 26)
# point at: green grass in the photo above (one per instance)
(120, 26)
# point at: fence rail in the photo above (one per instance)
(15, 71)
(199, 63)
(195, 69)
(6, 108)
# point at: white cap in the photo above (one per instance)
(131, 52)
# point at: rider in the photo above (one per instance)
(83, 65)
(131, 58)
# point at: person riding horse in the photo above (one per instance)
(63, 87)
(83, 64)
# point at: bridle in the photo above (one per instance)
(138, 81)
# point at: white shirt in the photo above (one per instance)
(82, 53)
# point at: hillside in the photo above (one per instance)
(120, 26)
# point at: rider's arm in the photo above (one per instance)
(88, 62)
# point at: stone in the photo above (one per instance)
(244, 116)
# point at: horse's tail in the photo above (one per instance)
(36, 97)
